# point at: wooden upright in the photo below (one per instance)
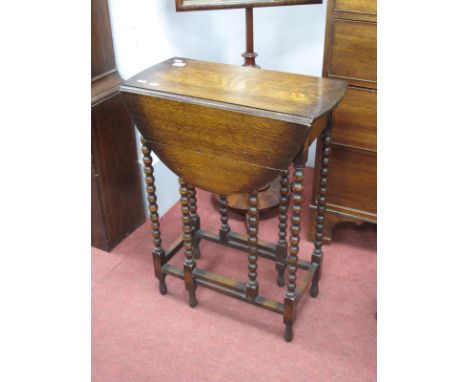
(115, 174)
(229, 129)
(350, 55)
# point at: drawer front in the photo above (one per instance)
(352, 183)
(355, 119)
(362, 6)
(353, 52)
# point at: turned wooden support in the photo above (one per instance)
(317, 254)
(252, 226)
(193, 207)
(189, 261)
(293, 249)
(158, 251)
(281, 246)
(224, 229)
(249, 55)
(195, 219)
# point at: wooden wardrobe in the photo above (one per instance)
(116, 194)
(351, 55)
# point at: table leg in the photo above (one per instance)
(189, 262)
(252, 224)
(281, 246)
(317, 255)
(224, 229)
(195, 220)
(293, 249)
(158, 251)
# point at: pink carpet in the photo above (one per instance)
(139, 335)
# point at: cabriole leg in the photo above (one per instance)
(158, 252)
(317, 255)
(293, 249)
(189, 261)
(281, 246)
(252, 225)
(195, 219)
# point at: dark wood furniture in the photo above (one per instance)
(350, 54)
(229, 129)
(116, 197)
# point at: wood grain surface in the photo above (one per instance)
(224, 128)
(292, 95)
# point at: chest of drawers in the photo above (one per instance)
(351, 55)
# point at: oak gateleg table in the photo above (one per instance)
(229, 129)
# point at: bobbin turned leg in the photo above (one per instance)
(281, 246)
(195, 220)
(223, 209)
(252, 225)
(189, 261)
(158, 252)
(317, 254)
(293, 249)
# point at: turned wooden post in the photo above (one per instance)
(252, 224)
(317, 254)
(281, 246)
(249, 54)
(293, 249)
(158, 251)
(195, 219)
(223, 209)
(189, 261)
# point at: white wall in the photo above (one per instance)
(149, 31)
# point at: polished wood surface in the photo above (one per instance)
(350, 53)
(358, 10)
(115, 172)
(363, 10)
(278, 95)
(347, 166)
(353, 53)
(249, 111)
(355, 120)
(102, 48)
(361, 6)
(228, 130)
(200, 5)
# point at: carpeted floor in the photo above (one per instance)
(139, 335)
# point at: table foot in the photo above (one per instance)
(162, 285)
(192, 300)
(314, 289)
(288, 333)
